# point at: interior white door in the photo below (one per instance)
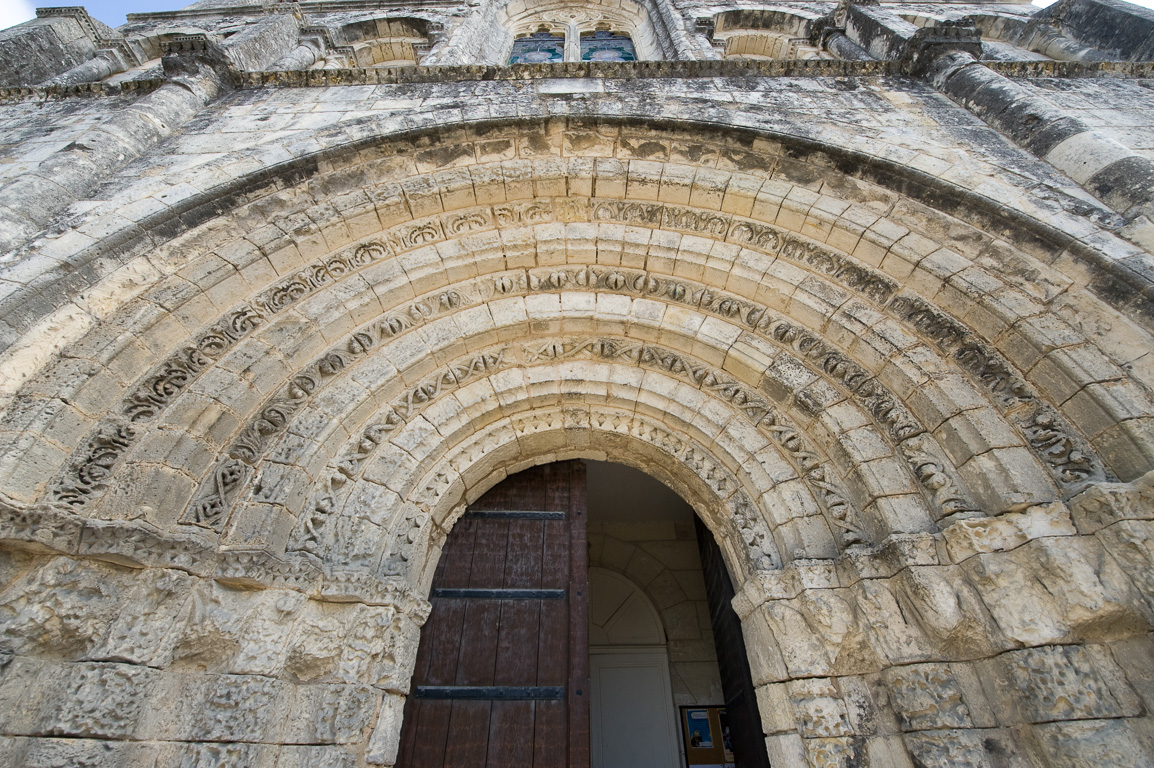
(632, 722)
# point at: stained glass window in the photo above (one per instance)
(604, 45)
(538, 48)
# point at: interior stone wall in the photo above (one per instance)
(883, 322)
(662, 559)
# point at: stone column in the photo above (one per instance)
(104, 64)
(306, 54)
(572, 43)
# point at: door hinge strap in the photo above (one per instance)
(502, 594)
(513, 514)
(496, 692)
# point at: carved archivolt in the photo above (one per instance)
(1057, 446)
(425, 518)
(755, 409)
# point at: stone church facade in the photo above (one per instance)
(286, 287)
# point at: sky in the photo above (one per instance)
(111, 12)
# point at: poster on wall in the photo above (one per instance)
(705, 731)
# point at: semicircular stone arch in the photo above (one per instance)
(923, 314)
(863, 396)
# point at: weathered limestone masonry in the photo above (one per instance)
(283, 287)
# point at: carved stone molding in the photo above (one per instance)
(1067, 457)
(90, 467)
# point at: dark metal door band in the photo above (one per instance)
(513, 514)
(501, 594)
(495, 692)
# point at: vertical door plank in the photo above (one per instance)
(479, 642)
(469, 743)
(553, 643)
(555, 571)
(511, 735)
(578, 687)
(526, 539)
(517, 648)
(549, 737)
(489, 554)
(433, 734)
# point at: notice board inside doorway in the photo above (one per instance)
(705, 731)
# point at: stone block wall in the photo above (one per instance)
(269, 322)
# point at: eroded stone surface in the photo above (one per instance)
(868, 287)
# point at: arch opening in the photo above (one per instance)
(641, 618)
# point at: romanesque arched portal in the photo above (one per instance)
(917, 434)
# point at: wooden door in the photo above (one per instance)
(502, 673)
(736, 679)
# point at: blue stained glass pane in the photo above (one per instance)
(607, 46)
(538, 48)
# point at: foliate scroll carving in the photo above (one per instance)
(91, 466)
(172, 376)
(95, 463)
(214, 500)
(934, 475)
(1069, 461)
(886, 409)
(977, 359)
(872, 285)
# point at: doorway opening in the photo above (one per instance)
(575, 622)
